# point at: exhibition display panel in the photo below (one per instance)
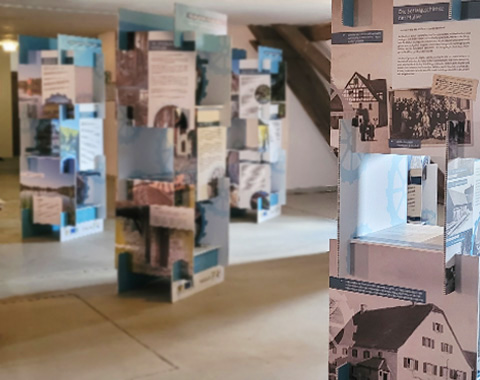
(62, 165)
(404, 269)
(173, 93)
(256, 162)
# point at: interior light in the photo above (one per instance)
(9, 46)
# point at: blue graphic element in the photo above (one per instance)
(429, 217)
(131, 21)
(379, 290)
(28, 44)
(476, 230)
(274, 55)
(205, 261)
(396, 191)
(350, 163)
(348, 7)
(84, 49)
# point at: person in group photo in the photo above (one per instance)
(426, 117)
(367, 130)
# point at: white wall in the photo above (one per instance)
(310, 161)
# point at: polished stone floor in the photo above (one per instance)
(61, 317)
(266, 321)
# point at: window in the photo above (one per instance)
(437, 327)
(334, 350)
(345, 351)
(428, 342)
(354, 352)
(443, 371)
(430, 369)
(370, 107)
(360, 94)
(366, 354)
(355, 81)
(380, 355)
(410, 363)
(457, 375)
(445, 347)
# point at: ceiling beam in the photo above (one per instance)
(305, 48)
(318, 32)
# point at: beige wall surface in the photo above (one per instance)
(110, 140)
(6, 148)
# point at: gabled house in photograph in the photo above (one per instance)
(458, 208)
(336, 111)
(370, 95)
(400, 343)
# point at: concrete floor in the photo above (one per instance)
(61, 317)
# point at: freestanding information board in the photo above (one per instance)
(404, 269)
(62, 164)
(173, 90)
(256, 159)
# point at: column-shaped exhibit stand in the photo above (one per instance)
(404, 271)
(256, 158)
(62, 163)
(173, 89)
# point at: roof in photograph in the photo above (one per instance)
(458, 198)
(374, 363)
(393, 325)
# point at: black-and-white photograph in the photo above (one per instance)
(404, 341)
(419, 115)
(364, 81)
(368, 98)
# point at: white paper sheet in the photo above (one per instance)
(253, 178)
(91, 142)
(275, 139)
(446, 85)
(249, 85)
(58, 81)
(422, 50)
(47, 210)
(211, 151)
(171, 81)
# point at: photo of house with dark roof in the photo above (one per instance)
(399, 343)
(459, 208)
(336, 110)
(368, 98)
